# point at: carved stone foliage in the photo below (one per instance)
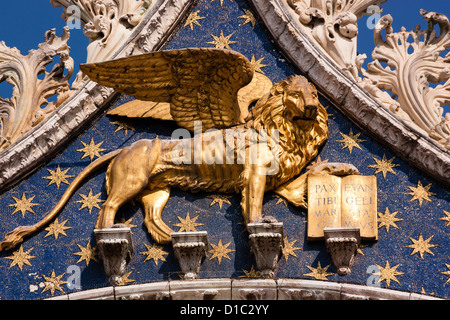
(107, 23)
(342, 244)
(333, 24)
(190, 249)
(266, 244)
(33, 84)
(407, 64)
(115, 248)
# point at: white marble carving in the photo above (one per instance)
(251, 289)
(342, 244)
(115, 247)
(406, 63)
(190, 250)
(333, 25)
(28, 105)
(107, 23)
(266, 244)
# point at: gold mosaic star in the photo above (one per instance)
(122, 126)
(23, 205)
(359, 249)
(351, 141)
(220, 251)
(289, 248)
(281, 200)
(388, 219)
(316, 163)
(421, 246)
(384, 166)
(128, 223)
(193, 19)
(90, 201)
(422, 291)
(91, 150)
(387, 273)
(155, 252)
(86, 253)
(319, 273)
(251, 274)
(420, 193)
(57, 177)
(257, 65)
(53, 283)
(56, 229)
(447, 273)
(187, 224)
(446, 218)
(219, 199)
(222, 42)
(126, 279)
(19, 258)
(249, 18)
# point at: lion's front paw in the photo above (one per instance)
(335, 168)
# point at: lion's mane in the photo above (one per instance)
(298, 144)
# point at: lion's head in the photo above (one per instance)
(293, 108)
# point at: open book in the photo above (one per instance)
(349, 201)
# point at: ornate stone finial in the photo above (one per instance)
(342, 244)
(405, 63)
(190, 250)
(28, 105)
(266, 244)
(115, 248)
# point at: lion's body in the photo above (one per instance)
(147, 169)
(152, 167)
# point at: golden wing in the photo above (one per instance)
(199, 84)
(259, 86)
(143, 109)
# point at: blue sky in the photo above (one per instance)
(23, 25)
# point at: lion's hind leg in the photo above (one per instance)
(153, 202)
(127, 176)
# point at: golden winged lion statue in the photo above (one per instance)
(238, 148)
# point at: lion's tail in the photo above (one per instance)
(15, 237)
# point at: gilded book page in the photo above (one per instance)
(324, 204)
(359, 204)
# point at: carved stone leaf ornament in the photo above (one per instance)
(107, 23)
(333, 24)
(406, 63)
(28, 105)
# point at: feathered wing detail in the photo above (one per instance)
(259, 86)
(143, 109)
(200, 84)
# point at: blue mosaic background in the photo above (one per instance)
(48, 257)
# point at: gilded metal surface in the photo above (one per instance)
(288, 122)
(349, 201)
